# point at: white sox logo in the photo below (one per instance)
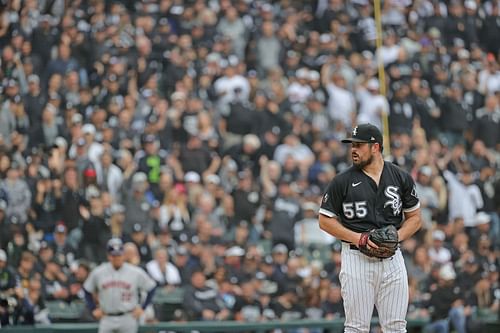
(355, 131)
(391, 192)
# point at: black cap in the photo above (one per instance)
(115, 246)
(137, 227)
(365, 133)
(149, 138)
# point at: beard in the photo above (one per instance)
(361, 164)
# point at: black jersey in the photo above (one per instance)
(360, 205)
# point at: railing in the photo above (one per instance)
(204, 326)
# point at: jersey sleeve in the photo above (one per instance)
(331, 204)
(90, 284)
(411, 201)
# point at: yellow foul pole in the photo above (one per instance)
(381, 77)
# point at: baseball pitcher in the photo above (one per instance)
(371, 207)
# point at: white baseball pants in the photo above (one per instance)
(119, 324)
(366, 282)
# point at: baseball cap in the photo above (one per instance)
(117, 209)
(3, 255)
(137, 227)
(470, 4)
(373, 84)
(365, 133)
(234, 251)
(88, 129)
(213, 179)
(115, 246)
(483, 218)
(182, 251)
(192, 177)
(139, 177)
(426, 170)
(76, 118)
(60, 142)
(447, 272)
(309, 206)
(149, 138)
(89, 172)
(438, 235)
(33, 78)
(60, 228)
(280, 248)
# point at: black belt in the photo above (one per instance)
(116, 314)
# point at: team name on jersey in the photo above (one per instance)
(116, 284)
(395, 202)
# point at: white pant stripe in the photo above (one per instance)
(366, 282)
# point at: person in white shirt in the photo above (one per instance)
(389, 52)
(465, 197)
(437, 252)
(299, 91)
(307, 231)
(292, 146)
(109, 176)
(231, 86)
(372, 104)
(163, 271)
(341, 102)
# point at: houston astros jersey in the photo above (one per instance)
(360, 205)
(118, 290)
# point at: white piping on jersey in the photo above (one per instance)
(411, 209)
(327, 212)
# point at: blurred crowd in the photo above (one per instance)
(203, 133)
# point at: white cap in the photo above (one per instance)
(313, 75)
(463, 54)
(76, 118)
(3, 255)
(234, 251)
(325, 38)
(309, 205)
(214, 179)
(88, 129)
(192, 177)
(252, 140)
(447, 272)
(139, 177)
(302, 73)
(426, 170)
(117, 208)
(178, 95)
(483, 218)
(280, 248)
(470, 4)
(213, 57)
(33, 78)
(373, 84)
(438, 235)
(61, 142)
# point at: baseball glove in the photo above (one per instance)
(386, 238)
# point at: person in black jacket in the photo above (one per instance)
(202, 302)
(446, 304)
(454, 116)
